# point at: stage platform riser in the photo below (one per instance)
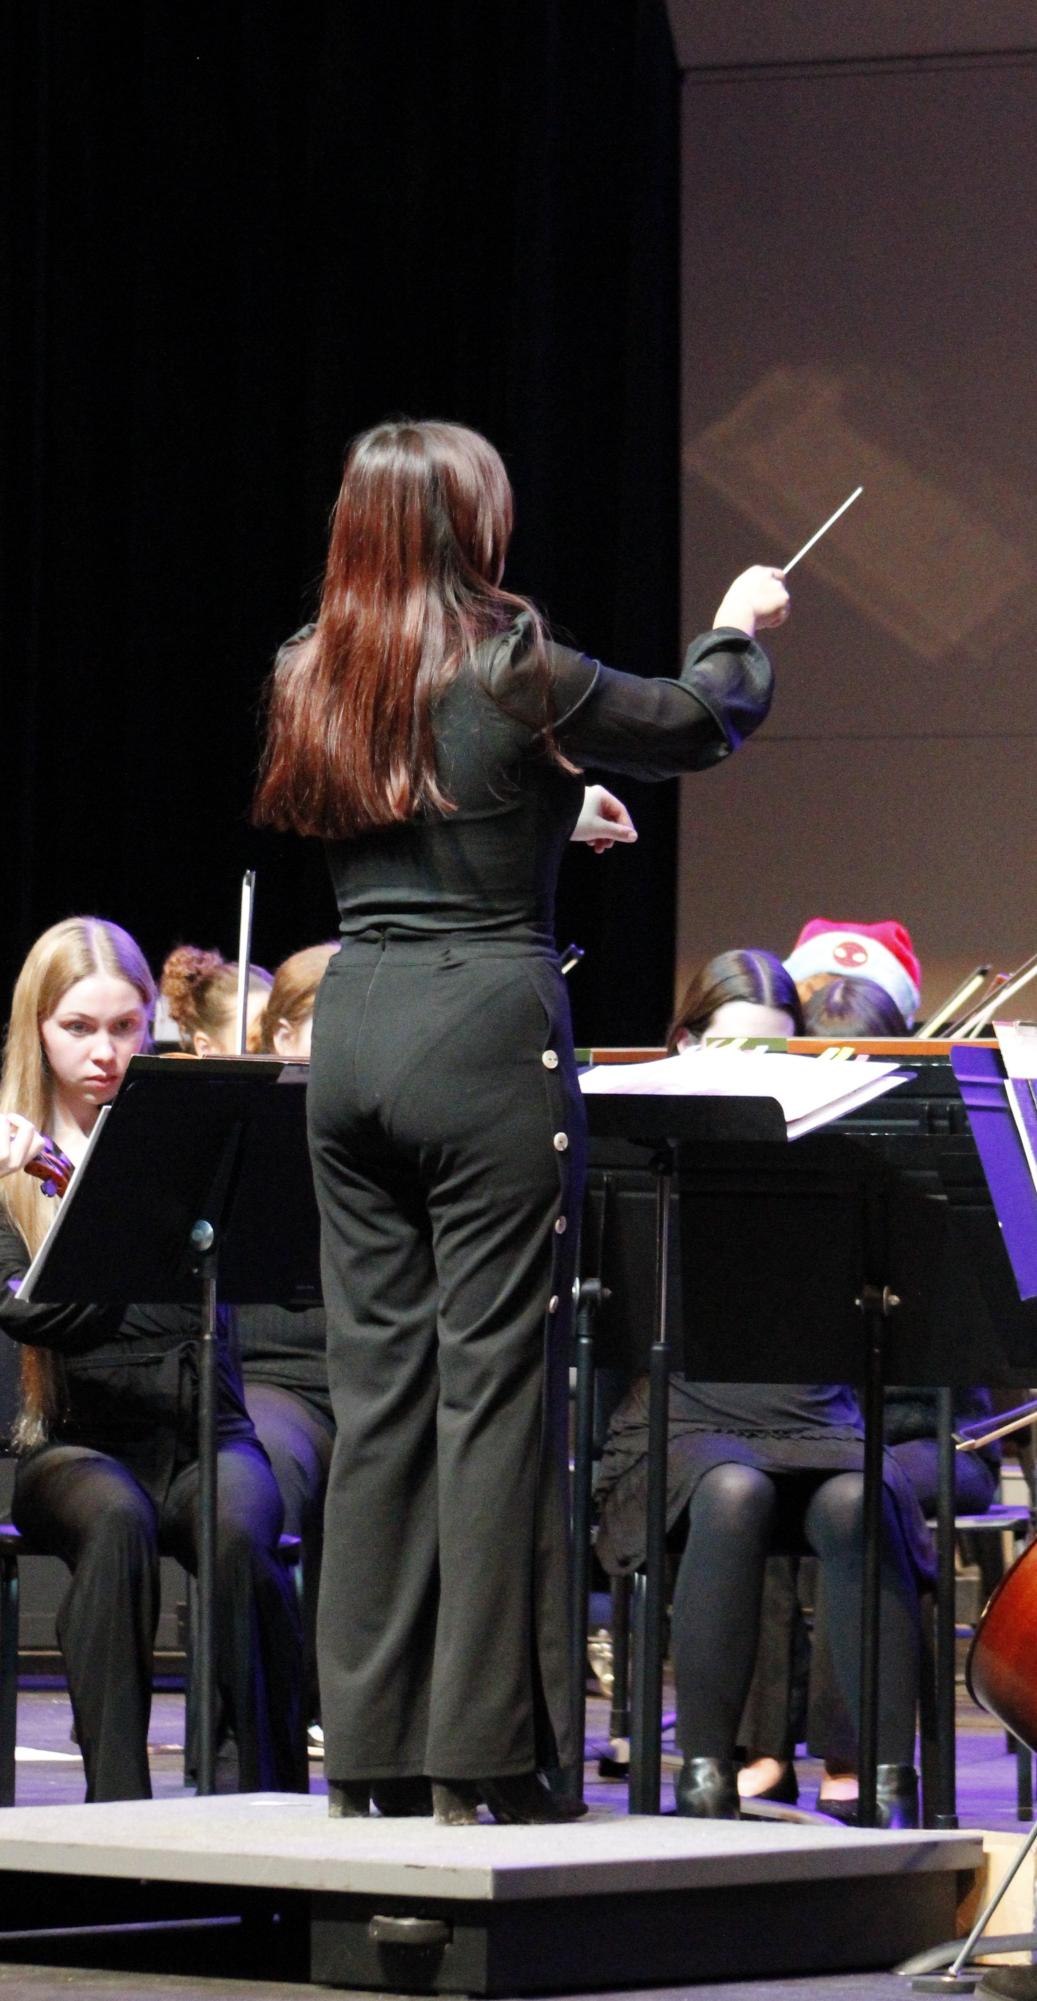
(268, 1886)
(557, 1945)
(639, 1940)
(193, 1930)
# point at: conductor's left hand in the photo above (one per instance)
(603, 820)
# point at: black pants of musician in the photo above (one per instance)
(446, 1129)
(736, 1516)
(298, 1438)
(89, 1509)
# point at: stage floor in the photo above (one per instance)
(50, 1770)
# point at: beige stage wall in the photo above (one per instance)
(860, 304)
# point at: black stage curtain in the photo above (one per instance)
(237, 232)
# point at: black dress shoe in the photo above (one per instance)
(521, 1798)
(784, 1791)
(842, 1810)
(896, 1800)
(707, 1789)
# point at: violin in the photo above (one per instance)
(1000, 1669)
(52, 1167)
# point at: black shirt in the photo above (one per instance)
(489, 868)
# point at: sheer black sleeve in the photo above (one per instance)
(657, 728)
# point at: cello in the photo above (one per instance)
(1001, 1671)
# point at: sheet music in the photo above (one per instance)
(811, 1093)
(1017, 1041)
(62, 1205)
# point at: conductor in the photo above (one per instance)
(430, 732)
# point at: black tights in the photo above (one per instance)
(736, 1516)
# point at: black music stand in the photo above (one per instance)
(818, 1239)
(662, 1124)
(197, 1189)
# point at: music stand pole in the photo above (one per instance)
(203, 1667)
(875, 1306)
(944, 1814)
(646, 1722)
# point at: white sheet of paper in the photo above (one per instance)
(810, 1093)
(1017, 1041)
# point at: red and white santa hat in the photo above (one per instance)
(880, 952)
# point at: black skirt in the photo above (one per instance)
(778, 1428)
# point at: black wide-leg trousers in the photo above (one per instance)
(89, 1508)
(446, 1131)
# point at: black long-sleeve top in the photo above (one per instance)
(489, 867)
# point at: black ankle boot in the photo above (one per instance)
(402, 1799)
(455, 1802)
(896, 1795)
(707, 1789)
(348, 1799)
(521, 1798)
(526, 1798)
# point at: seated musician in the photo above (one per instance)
(883, 953)
(753, 1467)
(200, 990)
(851, 1008)
(864, 1008)
(285, 1025)
(108, 1473)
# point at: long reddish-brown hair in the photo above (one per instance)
(412, 587)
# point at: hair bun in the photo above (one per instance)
(186, 971)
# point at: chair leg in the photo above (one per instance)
(1023, 1779)
(8, 1672)
(619, 1719)
(928, 1718)
(191, 1688)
